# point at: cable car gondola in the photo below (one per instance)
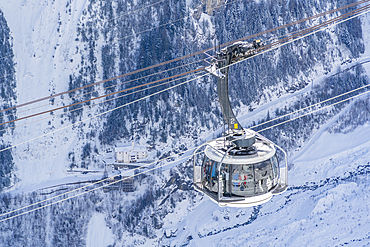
(240, 169)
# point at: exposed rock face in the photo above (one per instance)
(207, 6)
(211, 5)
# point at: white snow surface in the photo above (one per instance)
(43, 34)
(313, 212)
(40, 72)
(333, 214)
(98, 234)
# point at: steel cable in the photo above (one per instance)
(251, 127)
(151, 169)
(281, 44)
(260, 51)
(189, 55)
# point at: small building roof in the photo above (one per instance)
(127, 173)
(122, 149)
(130, 149)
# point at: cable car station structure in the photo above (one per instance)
(240, 169)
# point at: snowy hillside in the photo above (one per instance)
(47, 47)
(326, 204)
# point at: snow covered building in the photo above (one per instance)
(123, 182)
(130, 154)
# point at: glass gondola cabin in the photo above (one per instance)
(236, 176)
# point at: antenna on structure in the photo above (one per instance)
(105, 174)
(215, 46)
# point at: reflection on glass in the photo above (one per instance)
(205, 169)
(214, 177)
(240, 180)
(225, 176)
(243, 180)
(275, 168)
(210, 174)
(264, 177)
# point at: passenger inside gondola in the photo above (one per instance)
(247, 180)
(214, 177)
(225, 179)
(210, 175)
(240, 180)
(264, 176)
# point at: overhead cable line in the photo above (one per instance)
(115, 41)
(311, 106)
(311, 30)
(299, 35)
(105, 88)
(189, 55)
(305, 33)
(152, 169)
(342, 101)
(118, 17)
(102, 102)
(102, 96)
(283, 116)
(103, 113)
(308, 113)
(252, 127)
(85, 192)
(136, 78)
(100, 114)
(100, 181)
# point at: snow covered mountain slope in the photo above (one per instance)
(42, 33)
(7, 99)
(325, 205)
(64, 44)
